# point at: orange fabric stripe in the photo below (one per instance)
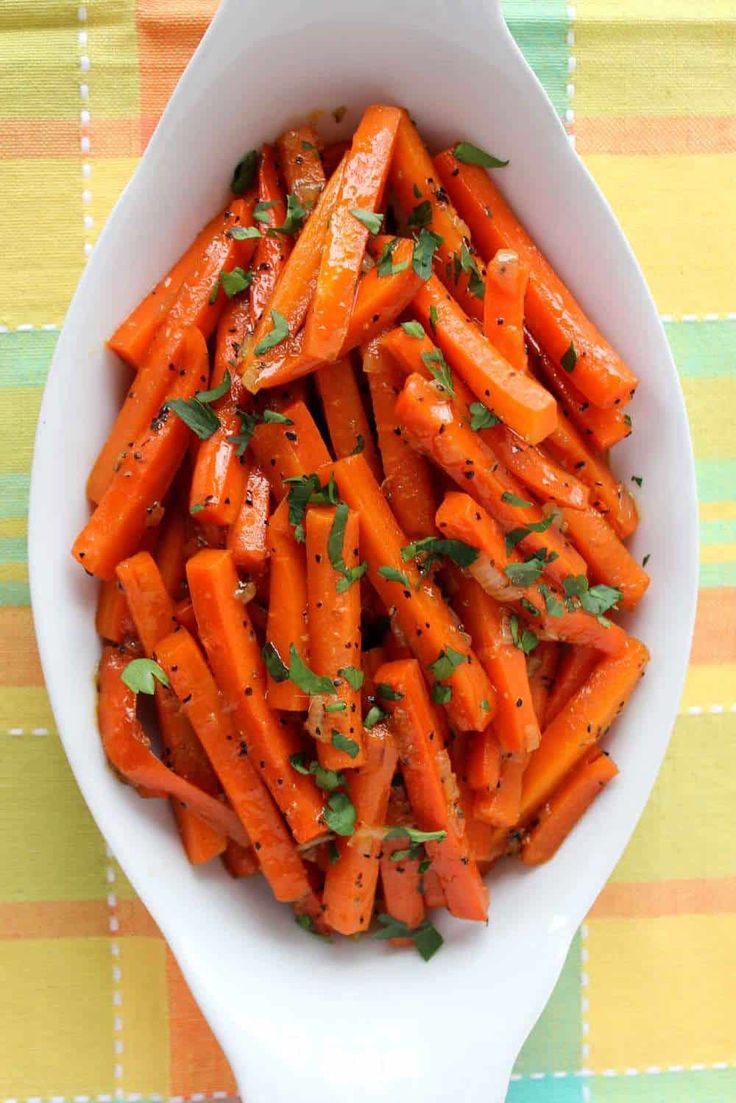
(650, 900)
(715, 626)
(655, 134)
(195, 1058)
(19, 661)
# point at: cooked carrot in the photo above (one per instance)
(195, 687)
(543, 665)
(501, 807)
(460, 517)
(232, 329)
(433, 892)
(503, 306)
(609, 561)
(555, 317)
(219, 475)
(483, 840)
(425, 765)
(575, 667)
(400, 878)
(583, 721)
(133, 336)
(483, 761)
(240, 861)
(301, 164)
(332, 155)
(419, 610)
(235, 658)
(285, 450)
(333, 615)
(287, 607)
(150, 605)
(364, 179)
(246, 538)
(350, 884)
(184, 615)
(347, 421)
(112, 619)
(408, 484)
(128, 748)
(565, 807)
(417, 189)
(272, 250)
(144, 475)
(170, 554)
(518, 399)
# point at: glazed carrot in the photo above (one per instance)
(408, 484)
(333, 614)
(239, 861)
(301, 164)
(143, 476)
(128, 748)
(433, 425)
(272, 251)
(350, 430)
(284, 450)
(434, 894)
(609, 561)
(583, 721)
(133, 336)
(350, 884)
(170, 551)
(219, 476)
(565, 807)
(514, 724)
(483, 761)
(295, 288)
(603, 428)
(543, 665)
(235, 658)
(195, 687)
(232, 329)
(425, 765)
(361, 189)
(400, 877)
(287, 607)
(246, 538)
(415, 182)
(184, 615)
(518, 399)
(150, 604)
(424, 618)
(332, 155)
(112, 619)
(555, 317)
(501, 807)
(482, 838)
(575, 667)
(503, 306)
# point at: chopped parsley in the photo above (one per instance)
(436, 364)
(426, 938)
(370, 219)
(481, 417)
(279, 333)
(468, 154)
(141, 676)
(244, 173)
(569, 359)
(425, 247)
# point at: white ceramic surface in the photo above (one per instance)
(358, 1022)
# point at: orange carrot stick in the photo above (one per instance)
(400, 878)
(246, 538)
(350, 884)
(418, 609)
(144, 475)
(284, 451)
(240, 861)
(235, 658)
(272, 250)
(301, 164)
(554, 315)
(565, 807)
(112, 619)
(430, 783)
(219, 476)
(483, 761)
(482, 841)
(408, 484)
(501, 807)
(150, 605)
(332, 156)
(287, 608)
(503, 306)
(333, 614)
(184, 614)
(364, 179)
(575, 667)
(170, 552)
(350, 430)
(195, 687)
(609, 561)
(518, 399)
(543, 664)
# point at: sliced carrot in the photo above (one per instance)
(501, 807)
(417, 189)
(555, 317)
(518, 399)
(483, 761)
(235, 658)
(285, 450)
(543, 665)
(347, 421)
(350, 884)
(430, 783)
(333, 615)
(272, 250)
(246, 538)
(240, 861)
(332, 155)
(400, 878)
(575, 667)
(148, 599)
(433, 892)
(170, 551)
(144, 475)
(482, 837)
(503, 306)
(287, 608)
(301, 164)
(565, 807)
(609, 561)
(363, 183)
(232, 329)
(419, 610)
(184, 614)
(195, 687)
(112, 619)
(219, 476)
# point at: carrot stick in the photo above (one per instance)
(418, 608)
(501, 807)
(184, 614)
(434, 894)
(287, 607)
(150, 604)
(112, 619)
(583, 721)
(170, 552)
(332, 155)
(483, 761)
(543, 664)
(518, 399)
(609, 561)
(350, 430)
(333, 613)
(219, 476)
(239, 861)
(400, 878)
(195, 687)
(415, 183)
(575, 667)
(233, 327)
(144, 475)
(555, 317)
(430, 783)
(128, 749)
(363, 183)
(246, 538)
(565, 807)
(272, 252)
(503, 306)
(235, 658)
(408, 484)
(284, 451)
(350, 884)
(482, 838)
(301, 164)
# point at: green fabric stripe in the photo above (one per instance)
(13, 549)
(25, 357)
(703, 348)
(717, 574)
(716, 480)
(718, 532)
(540, 29)
(707, 1086)
(567, 1090)
(15, 593)
(14, 495)
(554, 1043)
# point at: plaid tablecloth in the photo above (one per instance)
(92, 1006)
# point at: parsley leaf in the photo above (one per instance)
(458, 551)
(244, 173)
(446, 663)
(306, 679)
(441, 694)
(359, 445)
(262, 208)
(517, 535)
(387, 692)
(340, 814)
(599, 599)
(352, 675)
(373, 717)
(216, 392)
(513, 500)
(370, 219)
(307, 924)
(275, 665)
(425, 247)
(425, 937)
(385, 265)
(335, 542)
(243, 233)
(140, 675)
(235, 281)
(341, 743)
(468, 154)
(248, 422)
(392, 575)
(569, 359)
(468, 264)
(421, 215)
(414, 329)
(336, 706)
(278, 334)
(524, 574)
(521, 637)
(555, 608)
(196, 415)
(637, 479)
(436, 364)
(481, 417)
(271, 416)
(295, 215)
(307, 490)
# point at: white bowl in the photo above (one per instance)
(358, 1021)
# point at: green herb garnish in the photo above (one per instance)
(468, 154)
(141, 676)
